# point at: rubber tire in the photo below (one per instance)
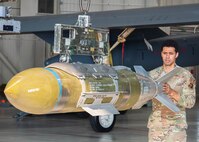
(94, 121)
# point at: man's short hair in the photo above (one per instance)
(170, 43)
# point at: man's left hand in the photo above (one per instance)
(171, 93)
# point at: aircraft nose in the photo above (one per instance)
(33, 91)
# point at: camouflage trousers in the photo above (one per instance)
(167, 135)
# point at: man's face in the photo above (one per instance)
(169, 55)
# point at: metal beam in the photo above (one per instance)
(142, 17)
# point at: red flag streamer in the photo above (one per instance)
(123, 52)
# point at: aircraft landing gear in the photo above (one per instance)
(103, 123)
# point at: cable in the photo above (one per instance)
(81, 7)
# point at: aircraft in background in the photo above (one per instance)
(145, 21)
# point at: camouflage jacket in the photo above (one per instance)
(184, 83)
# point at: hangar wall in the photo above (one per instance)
(26, 51)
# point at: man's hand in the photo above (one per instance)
(166, 88)
(173, 95)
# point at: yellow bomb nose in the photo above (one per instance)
(33, 91)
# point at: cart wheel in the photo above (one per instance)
(103, 123)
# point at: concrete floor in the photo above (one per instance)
(130, 127)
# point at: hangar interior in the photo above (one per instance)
(20, 52)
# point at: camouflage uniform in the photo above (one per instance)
(165, 125)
